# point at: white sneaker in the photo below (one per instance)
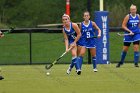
(95, 70)
(69, 70)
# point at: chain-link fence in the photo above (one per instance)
(35, 47)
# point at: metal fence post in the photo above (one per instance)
(30, 45)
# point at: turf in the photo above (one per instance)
(46, 47)
(33, 79)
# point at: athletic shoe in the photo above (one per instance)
(118, 65)
(78, 72)
(136, 65)
(95, 70)
(1, 78)
(69, 70)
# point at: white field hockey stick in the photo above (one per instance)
(123, 34)
(126, 34)
(54, 62)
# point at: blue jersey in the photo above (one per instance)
(87, 31)
(70, 33)
(133, 23)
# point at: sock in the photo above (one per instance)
(94, 62)
(80, 61)
(136, 57)
(75, 60)
(72, 63)
(123, 54)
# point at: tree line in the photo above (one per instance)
(30, 13)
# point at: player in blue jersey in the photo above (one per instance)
(72, 34)
(87, 39)
(131, 25)
(1, 35)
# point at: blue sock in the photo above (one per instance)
(136, 57)
(72, 63)
(76, 63)
(80, 61)
(94, 62)
(123, 54)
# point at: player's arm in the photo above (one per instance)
(97, 28)
(80, 26)
(77, 30)
(139, 20)
(66, 40)
(124, 24)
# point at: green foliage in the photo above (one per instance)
(2, 26)
(77, 9)
(117, 14)
(29, 13)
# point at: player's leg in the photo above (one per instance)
(72, 64)
(74, 61)
(81, 54)
(93, 54)
(73, 58)
(136, 53)
(127, 41)
(123, 53)
(81, 50)
(91, 45)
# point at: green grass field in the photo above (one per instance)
(33, 79)
(46, 47)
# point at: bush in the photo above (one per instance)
(117, 14)
(3, 26)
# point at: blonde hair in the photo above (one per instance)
(65, 15)
(133, 6)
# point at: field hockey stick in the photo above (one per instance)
(95, 36)
(123, 34)
(126, 34)
(54, 62)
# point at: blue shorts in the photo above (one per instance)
(81, 42)
(90, 43)
(128, 38)
(71, 41)
(133, 38)
(136, 37)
